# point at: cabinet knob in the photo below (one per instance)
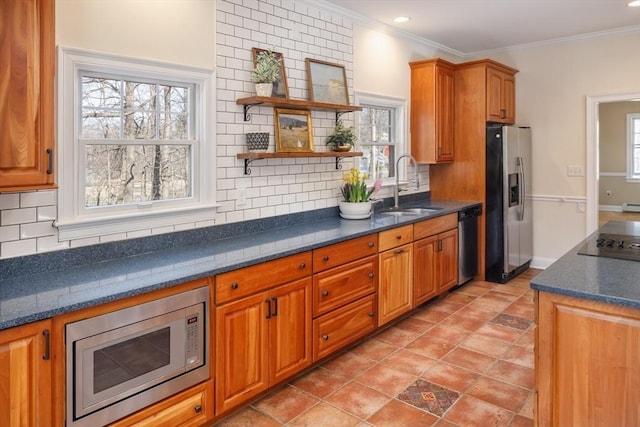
(371, 244)
(371, 275)
(197, 409)
(234, 285)
(325, 258)
(325, 337)
(399, 237)
(303, 266)
(325, 293)
(371, 314)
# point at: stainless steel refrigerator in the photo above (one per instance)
(509, 226)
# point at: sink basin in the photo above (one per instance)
(398, 213)
(409, 211)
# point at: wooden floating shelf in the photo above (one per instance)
(250, 157)
(294, 103)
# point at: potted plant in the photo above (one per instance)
(265, 71)
(343, 138)
(356, 196)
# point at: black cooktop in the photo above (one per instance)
(612, 246)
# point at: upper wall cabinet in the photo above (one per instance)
(27, 61)
(501, 94)
(432, 110)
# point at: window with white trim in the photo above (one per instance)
(136, 145)
(633, 147)
(381, 134)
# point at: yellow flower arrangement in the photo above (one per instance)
(355, 189)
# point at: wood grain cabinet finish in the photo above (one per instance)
(432, 110)
(435, 262)
(501, 96)
(395, 237)
(343, 326)
(190, 408)
(25, 376)
(395, 283)
(587, 363)
(260, 340)
(340, 253)
(473, 100)
(27, 69)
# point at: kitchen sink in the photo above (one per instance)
(409, 211)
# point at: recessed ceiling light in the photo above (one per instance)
(635, 3)
(401, 19)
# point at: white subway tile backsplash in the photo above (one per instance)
(9, 233)
(51, 243)
(18, 248)
(17, 216)
(37, 198)
(9, 201)
(36, 229)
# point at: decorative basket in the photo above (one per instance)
(258, 141)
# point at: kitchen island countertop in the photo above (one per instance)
(28, 297)
(602, 279)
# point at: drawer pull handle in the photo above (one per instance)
(325, 293)
(325, 258)
(47, 345)
(197, 409)
(371, 314)
(235, 285)
(268, 316)
(303, 266)
(50, 164)
(275, 307)
(399, 251)
(371, 275)
(325, 337)
(371, 244)
(399, 237)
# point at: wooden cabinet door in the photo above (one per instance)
(447, 260)
(27, 61)
(395, 284)
(501, 90)
(25, 376)
(290, 329)
(241, 350)
(587, 363)
(509, 98)
(432, 110)
(445, 114)
(424, 271)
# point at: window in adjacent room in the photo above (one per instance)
(136, 151)
(381, 134)
(633, 147)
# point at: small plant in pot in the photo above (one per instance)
(265, 71)
(342, 139)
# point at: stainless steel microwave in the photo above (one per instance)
(123, 361)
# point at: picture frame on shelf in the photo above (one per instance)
(293, 130)
(280, 87)
(327, 82)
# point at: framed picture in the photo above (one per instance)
(327, 82)
(293, 130)
(280, 88)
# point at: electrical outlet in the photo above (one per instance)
(581, 207)
(575, 170)
(242, 197)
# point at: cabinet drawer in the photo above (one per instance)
(246, 281)
(192, 407)
(433, 226)
(341, 285)
(343, 326)
(334, 255)
(395, 237)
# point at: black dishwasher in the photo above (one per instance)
(468, 243)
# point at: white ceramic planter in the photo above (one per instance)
(264, 89)
(350, 210)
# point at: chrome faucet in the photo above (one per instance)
(396, 190)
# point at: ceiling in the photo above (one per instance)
(465, 27)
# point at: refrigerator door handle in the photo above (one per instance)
(522, 188)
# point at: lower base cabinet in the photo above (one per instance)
(587, 363)
(25, 376)
(190, 408)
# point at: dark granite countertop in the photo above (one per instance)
(77, 282)
(596, 278)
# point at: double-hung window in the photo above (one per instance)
(136, 145)
(633, 147)
(381, 134)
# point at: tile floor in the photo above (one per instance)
(464, 360)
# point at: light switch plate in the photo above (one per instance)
(575, 170)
